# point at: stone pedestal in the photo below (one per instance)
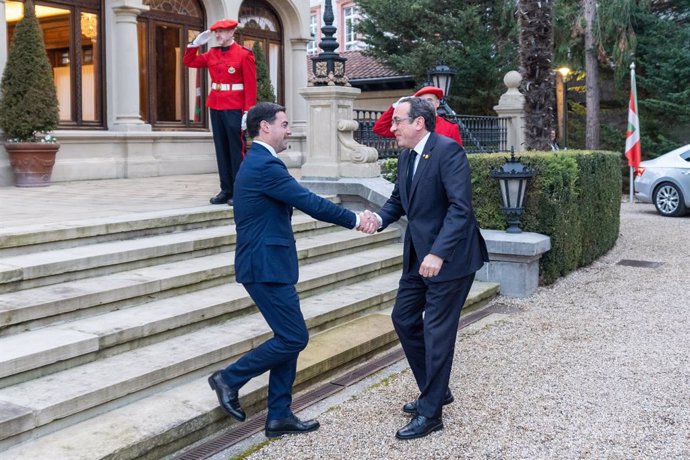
(512, 106)
(514, 261)
(332, 152)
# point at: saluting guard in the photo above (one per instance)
(233, 92)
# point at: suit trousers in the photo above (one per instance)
(227, 138)
(426, 316)
(279, 305)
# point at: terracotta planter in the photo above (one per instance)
(32, 163)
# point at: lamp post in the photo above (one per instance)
(441, 76)
(562, 105)
(512, 182)
(328, 66)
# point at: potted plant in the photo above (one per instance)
(29, 105)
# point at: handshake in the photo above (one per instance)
(368, 222)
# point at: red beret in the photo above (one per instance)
(438, 92)
(224, 24)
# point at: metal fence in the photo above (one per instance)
(480, 134)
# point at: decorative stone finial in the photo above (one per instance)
(328, 66)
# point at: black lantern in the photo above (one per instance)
(512, 181)
(441, 76)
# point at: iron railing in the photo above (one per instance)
(365, 135)
(480, 134)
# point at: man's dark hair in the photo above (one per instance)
(422, 108)
(260, 112)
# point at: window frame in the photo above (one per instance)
(312, 46)
(353, 17)
(266, 38)
(150, 20)
(75, 52)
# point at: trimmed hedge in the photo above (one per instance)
(575, 199)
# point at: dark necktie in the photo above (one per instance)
(410, 170)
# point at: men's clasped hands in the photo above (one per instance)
(369, 223)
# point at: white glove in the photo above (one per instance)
(243, 125)
(202, 38)
(395, 104)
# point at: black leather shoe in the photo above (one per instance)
(227, 397)
(289, 425)
(221, 198)
(230, 202)
(419, 427)
(411, 407)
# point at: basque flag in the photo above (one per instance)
(633, 148)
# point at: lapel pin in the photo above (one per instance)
(425, 156)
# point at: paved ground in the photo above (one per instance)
(596, 366)
(67, 201)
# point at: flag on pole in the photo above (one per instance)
(633, 148)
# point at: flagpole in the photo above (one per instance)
(632, 172)
(633, 150)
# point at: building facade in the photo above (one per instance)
(128, 107)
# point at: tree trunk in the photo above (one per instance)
(536, 62)
(592, 77)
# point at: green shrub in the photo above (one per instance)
(264, 87)
(28, 99)
(574, 198)
(389, 169)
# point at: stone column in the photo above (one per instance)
(6, 177)
(3, 33)
(511, 106)
(126, 101)
(296, 77)
(332, 153)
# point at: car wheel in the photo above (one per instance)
(668, 200)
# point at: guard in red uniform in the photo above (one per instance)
(382, 127)
(233, 93)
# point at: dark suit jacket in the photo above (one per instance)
(439, 210)
(264, 196)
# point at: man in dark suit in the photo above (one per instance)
(266, 264)
(443, 249)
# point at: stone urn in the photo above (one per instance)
(32, 162)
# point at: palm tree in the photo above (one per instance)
(536, 65)
(592, 75)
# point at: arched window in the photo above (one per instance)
(260, 23)
(172, 95)
(73, 33)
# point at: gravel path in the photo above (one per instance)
(595, 366)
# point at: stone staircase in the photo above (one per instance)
(109, 328)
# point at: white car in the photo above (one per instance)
(665, 181)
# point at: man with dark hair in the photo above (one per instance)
(443, 248)
(266, 264)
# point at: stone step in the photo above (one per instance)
(169, 420)
(44, 305)
(68, 396)
(60, 265)
(51, 349)
(45, 237)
